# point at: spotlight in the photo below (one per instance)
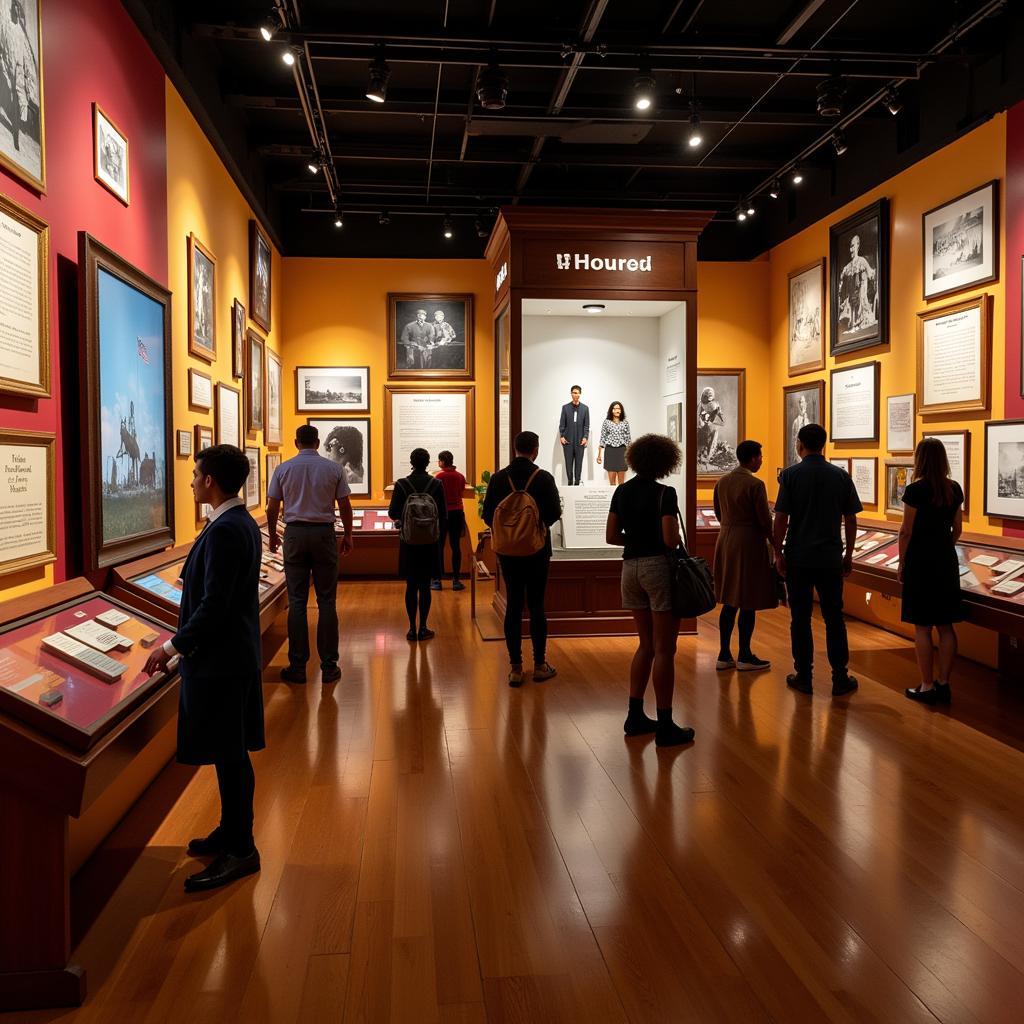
(481, 228)
(447, 228)
(339, 219)
(751, 210)
(492, 86)
(696, 135)
(268, 29)
(288, 57)
(892, 100)
(384, 218)
(839, 143)
(775, 190)
(593, 307)
(831, 95)
(314, 167)
(741, 213)
(643, 91)
(379, 75)
(798, 176)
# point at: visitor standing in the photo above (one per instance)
(454, 484)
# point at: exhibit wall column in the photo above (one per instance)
(1014, 260)
(92, 53)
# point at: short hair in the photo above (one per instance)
(349, 439)
(813, 437)
(747, 451)
(420, 458)
(526, 442)
(654, 456)
(423, 311)
(446, 458)
(307, 434)
(575, 387)
(612, 406)
(226, 464)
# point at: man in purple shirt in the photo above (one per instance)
(308, 486)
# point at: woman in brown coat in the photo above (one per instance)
(744, 580)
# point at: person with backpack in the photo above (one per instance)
(520, 506)
(418, 506)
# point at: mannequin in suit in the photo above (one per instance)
(574, 433)
(220, 712)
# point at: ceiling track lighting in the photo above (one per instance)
(492, 86)
(751, 209)
(384, 218)
(339, 218)
(268, 29)
(892, 100)
(314, 165)
(480, 228)
(741, 213)
(643, 90)
(839, 143)
(377, 89)
(797, 176)
(695, 136)
(446, 227)
(775, 189)
(289, 57)
(831, 97)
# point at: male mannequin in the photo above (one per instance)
(574, 433)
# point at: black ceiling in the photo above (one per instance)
(569, 134)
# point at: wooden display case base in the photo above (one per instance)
(38, 990)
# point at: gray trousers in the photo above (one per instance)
(310, 549)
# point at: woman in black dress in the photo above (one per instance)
(929, 567)
(418, 564)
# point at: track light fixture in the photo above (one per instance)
(447, 230)
(314, 166)
(288, 57)
(741, 213)
(892, 100)
(480, 228)
(339, 219)
(797, 176)
(492, 85)
(695, 136)
(268, 29)
(839, 143)
(751, 209)
(831, 96)
(643, 90)
(377, 88)
(384, 218)
(775, 189)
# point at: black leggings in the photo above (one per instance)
(726, 620)
(452, 529)
(417, 592)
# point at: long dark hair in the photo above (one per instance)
(932, 465)
(612, 406)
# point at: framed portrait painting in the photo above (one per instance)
(859, 284)
(252, 481)
(237, 340)
(202, 320)
(1004, 469)
(801, 404)
(721, 408)
(22, 134)
(127, 491)
(347, 442)
(430, 337)
(254, 411)
(960, 241)
(259, 275)
(320, 389)
(806, 315)
(272, 409)
(28, 527)
(898, 473)
(109, 154)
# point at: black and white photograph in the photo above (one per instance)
(674, 421)
(961, 242)
(237, 340)
(252, 481)
(110, 154)
(430, 336)
(273, 410)
(332, 388)
(259, 275)
(801, 404)
(347, 442)
(1004, 469)
(254, 419)
(202, 297)
(720, 420)
(806, 299)
(859, 293)
(21, 92)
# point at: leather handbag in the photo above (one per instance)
(693, 586)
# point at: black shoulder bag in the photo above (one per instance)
(693, 586)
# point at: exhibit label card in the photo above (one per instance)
(19, 301)
(854, 403)
(25, 502)
(952, 370)
(432, 420)
(900, 423)
(585, 516)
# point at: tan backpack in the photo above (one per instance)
(516, 528)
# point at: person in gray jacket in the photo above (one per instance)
(574, 433)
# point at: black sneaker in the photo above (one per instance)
(929, 697)
(293, 674)
(752, 664)
(841, 687)
(425, 634)
(458, 585)
(331, 674)
(411, 635)
(799, 683)
(672, 735)
(435, 584)
(639, 724)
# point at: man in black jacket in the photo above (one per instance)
(526, 576)
(574, 433)
(220, 711)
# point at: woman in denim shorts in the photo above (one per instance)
(644, 520)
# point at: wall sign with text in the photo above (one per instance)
(628, 265)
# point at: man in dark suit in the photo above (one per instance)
(574, 433)
(220, 711)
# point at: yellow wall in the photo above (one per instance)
(970, 161)
(202, 198)
(336, 315)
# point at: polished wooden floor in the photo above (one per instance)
(438, 847)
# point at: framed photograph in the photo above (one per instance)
(204, 437)
(954, 345)
(202, 320)
(854, 402)
(28, 526)
(900, 424)
(347, 442)
(109, 154)
(24, 301)
(865, 479)
(22, 149)
(273, 461)
(321, 389)
(252, 481)
(841, 463)
(806, 315)
(259, 275)
(801, 404)
(430, 337)
(200, 390)
(859, 285)
(272, 408)
(958, 450)
(228, 415)
(254, 346)
(435, 419)
(960, 242)
(1004, 469)
(674, 421)
(125, 377)
(183, 442)
(897, 476)
(237, 340)
(721, 406)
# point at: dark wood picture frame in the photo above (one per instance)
(272, 359)
(255, 346)
(93, 257)
(838, 371)
(991, 425)
(195, 348)
(468, 391)
(37, 439)
(252, 454)
(879, 213)
(203, 437)
(966, 483)
(271, 460)
(412, 374)
(793, 389)
(218, 427)
(97, 113)
(741, 413)
(182, 438)
(259, 311)
(818, 363)
(983, 303)
(192, 374)
(993, 240)
(325, 410)
(237, 340)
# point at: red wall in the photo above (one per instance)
(92, 51)
(1014, 249)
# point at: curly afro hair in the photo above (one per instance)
(654, 456)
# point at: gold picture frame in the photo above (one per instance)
(48, 554)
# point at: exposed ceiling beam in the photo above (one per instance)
(796, 23)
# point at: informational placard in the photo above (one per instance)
(865, 479)
(958, 451)
(899, 430)
(855, 403)
(585, 516)
(952, 359)
(26, 501)
(504, 428)
(437, 420)
(21, 334)
(228, 416)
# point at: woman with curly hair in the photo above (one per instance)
(615, 438)
(643, 520)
